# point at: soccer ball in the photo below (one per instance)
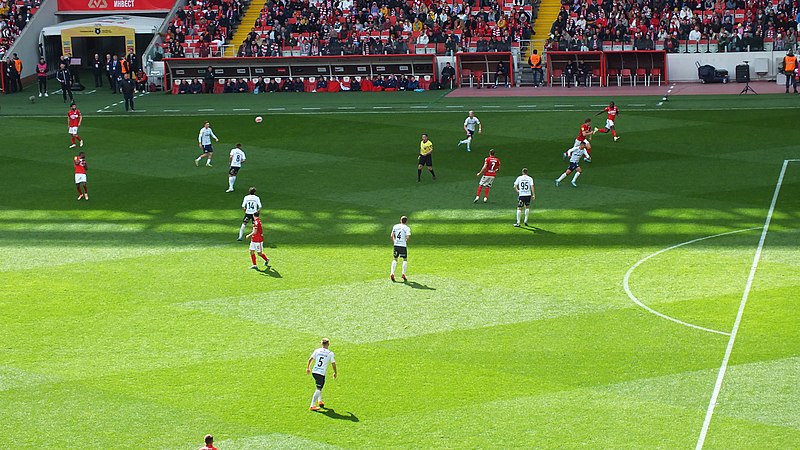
(259, 119)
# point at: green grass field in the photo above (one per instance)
(133, 319)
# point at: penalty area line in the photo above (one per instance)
(735, 330)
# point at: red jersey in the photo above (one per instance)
(492, 164)
(80, 165)
(585, 128)
(74, 117)
(612, 112)
(258, 232)
(208, 447)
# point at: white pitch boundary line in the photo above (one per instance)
(381, 107)
(346, 107)
(241, 109)
(735, 330)
(419, 107)
(626, 281)
(526, 106)
(490, 106)
(637, 104)
(206, 109)
(563, 106)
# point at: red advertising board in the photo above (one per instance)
(102, 6)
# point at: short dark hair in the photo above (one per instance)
(209, 439)
(252, 190)
(403, 219)
(82, 154)
(525, 170)
(491, 152)
(587, 120)
(238, 145)
(611, 104)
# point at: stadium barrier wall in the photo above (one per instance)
(763, 65)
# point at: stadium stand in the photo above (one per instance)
(202, 28)
(675, 26)
(366, 27)
(14, 15)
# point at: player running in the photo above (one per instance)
(575, 154)
(74, 120)
(236, 160)
(257, 242)
(320, 359)
(612, 111)
(251, 204)
(469, 127)
(425, 158)
(400, 234)
(80, 176)
(204, 142)
(584, 135)
(487, 173)
(525, 192)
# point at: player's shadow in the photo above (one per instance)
(415, 285)
(270, 272)
(537, 230)
(330, 412)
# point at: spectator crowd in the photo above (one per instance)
(735, 25)
(14, 15)
(202, 27)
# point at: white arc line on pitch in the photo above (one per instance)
(626, 280)
(712, 403)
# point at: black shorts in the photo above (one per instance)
(524, 200)
(425, 160)
(572, 166)
(319, 380)
(400, 252)
(247, 218)
(470, 133)
(208, 149)
(233, 171)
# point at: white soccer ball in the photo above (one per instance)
(259, 119)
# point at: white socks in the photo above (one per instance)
(241, 231)
(526, 214)
(405, 266)
(394, 266)
(231, 180)
(208, 163)
(517, 215)
(577, 174)
(199, 158)
(317, 397)
(563, 175)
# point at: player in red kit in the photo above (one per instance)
(612, 111)
(584, 135)
(257, 242)
(209, 443)
(74, 119)
(80, 176)
(487, 173)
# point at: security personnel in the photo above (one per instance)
(535, 61)
(789, 66)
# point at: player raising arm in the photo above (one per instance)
(487, 173)
(80, 176)
(613, 112)
(584, 135)
(525, 191)
(575, 154)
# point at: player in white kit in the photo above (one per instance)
(575, 154)
(317, 366)
(204, 142)
(525, 191)
(250, 205)
(237, 159)
(399, 236)
(470, 123)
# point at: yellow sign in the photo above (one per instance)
(90, 31)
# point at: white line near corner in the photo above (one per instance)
(712, 403)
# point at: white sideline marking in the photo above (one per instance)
(419, 107)
(598, 105)
(381, 107)
(311, 109)
(346, 107)
(455, 106)
(206, 109)
(276, 109)
(563, 106)
(724, 367)
(241, 109)
(626, 280)
(103, 111)
(637, 104)
(91, 92)
(172, 110)
(490, 106)
(526, 106)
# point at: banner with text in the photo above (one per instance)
(101, 6)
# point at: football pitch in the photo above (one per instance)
(654, 306)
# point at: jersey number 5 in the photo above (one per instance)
(319, 363)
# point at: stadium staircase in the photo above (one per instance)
(548, 13)
(248, 21)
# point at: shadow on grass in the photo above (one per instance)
(330, 412)
(415, 285)
(537, 230)
(270, 272)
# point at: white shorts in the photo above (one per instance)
(73, 130)
(486, 181)
(609, 123)
(257, 246)
(80, 178)
(578, 142)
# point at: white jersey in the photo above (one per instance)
(525, 185)
(205, 136)
(471, 122)
(251, 204)
(401, 233)
(237, 157)
(322, 357)
(575, 154)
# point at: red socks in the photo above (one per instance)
(253, 257)
(487, 192)
(73, 140)
(614, 133)
(480, 188)
(602, 130)
(263, 256)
